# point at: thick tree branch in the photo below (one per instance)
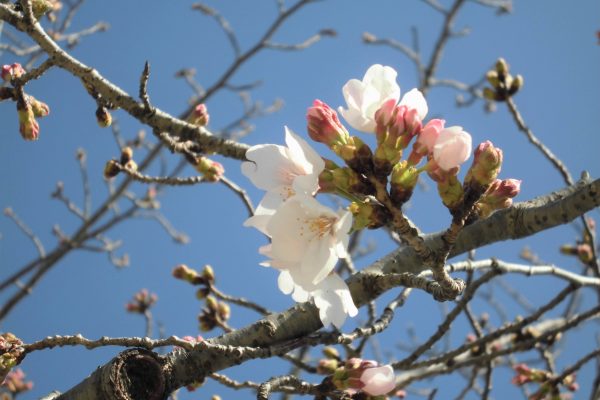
(279, 333)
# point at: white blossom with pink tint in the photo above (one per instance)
(378, 381)
(428, 136)
(282, 172)
(414, 99)
(452, 148)
(307, 238)
(364, 98)
(331, 296)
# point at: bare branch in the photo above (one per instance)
(27, 231)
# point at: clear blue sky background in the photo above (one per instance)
(552, 44)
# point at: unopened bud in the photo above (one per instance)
(501, 67)
(224, 311)
(41, 7)
(492, 78)
(498, 196)
(126, 155)
(327, 366)
(39, 108)
(516, 84)
(208, 273)
(199, 116)
(111, 169)
(487, 162)
(103, 117)
(211, 170)
(324, 125)
(185, 273)
(10, 72)
(212, 303)
(331, 353)
(28, 126)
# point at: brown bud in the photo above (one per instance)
(126, 155)
(111, 169)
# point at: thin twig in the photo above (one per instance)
(27, 231)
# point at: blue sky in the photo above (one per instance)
(553, 45)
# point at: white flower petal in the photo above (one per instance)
(319, 261)
(415, 99)
(285, 282)
(378, 381)
(365, 97)
(334, 301)
(268, 166)
(305, 156)
(452, 147)
(300, 295)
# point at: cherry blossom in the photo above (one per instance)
(307, 238)
(428, 136)
(331, 296)
(452, 148)
(365, 97)
(378, 380)
(282, 172)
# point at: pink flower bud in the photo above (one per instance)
(522, 368)
(452, 148)
(192, 339)
(15, 382)
(386, 113)
(10, 72)
(487, 162)
(39, 108)
(498, 196)
(28, 126)
(412, 122)
(211, 170)
(501, 190)
(324, 125)
(367, 376)
(426, 140)
(378, 381)
(199, 116)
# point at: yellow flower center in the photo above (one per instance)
(321, 226)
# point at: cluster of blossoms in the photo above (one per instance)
(28, 107)
(215, 313)
(11, 353)
(308, 238)
(549, 387)
(205, 279)
(15, 382)
(142, 301)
